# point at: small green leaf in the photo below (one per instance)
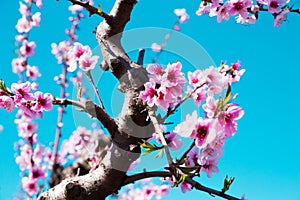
(227, 183)
(99, 8)
(228, 95)
(79, 92)
(4, 88)
(160, 153)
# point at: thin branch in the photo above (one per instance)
(172, 111)
(92, 109)
(91, 9)
(195, 184)
(160, 133)
(186, 152)
(140, 60)
(59, 118)
(140, 176)
(65, 102)
(210, 191)
(89, 76)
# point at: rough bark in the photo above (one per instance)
(127, 130)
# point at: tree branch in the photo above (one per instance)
(91, 9)
(92, 109)
(210, 191)
(195, 184)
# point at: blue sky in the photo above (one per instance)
(263, 155)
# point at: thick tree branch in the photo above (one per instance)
(127, 130)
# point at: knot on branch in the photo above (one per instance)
(74, 191)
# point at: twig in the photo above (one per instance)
(91, 9)
(89, 76)
(140, 60)
(195, 184)
(65, 102)
(59, 118)
(92, 109)
(210, 191)
(186, 152)
(181, 102)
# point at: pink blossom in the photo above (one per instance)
(24, 10)
(79, 50)
(30, 185)
(42, 102)
(192, 157)
(228, 118)
(199, 95)
(176, 27)
(185, 186)
(38, 3)
(218, 82)
(274, 5)
(210, 167)
(18, 65)
(155, 73)
(36, 19)
(75, 8)
(156, 47)
(24, 159)
(61, 52)
(88, 62)
(201, 132)
(173, 141)
(204, 8)
(240, 7)
(7, 103)
(196, 78)
(27, 49)
(174, 78)
(37, 172)
(164, 98)
(149, 94)
(32, 72)
(79, 139)
(186, 127)
(23, 26)
(22, 90)
(210, 106)
(222, 12)
(26, 127)
(282, 16)
(182, 15)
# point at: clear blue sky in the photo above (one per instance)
(264, 154)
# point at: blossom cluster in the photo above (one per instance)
(30, 104)
(165, 86)
(34, 164)
(26, 48)
(206, 88)
(245, 11)
(144, 190)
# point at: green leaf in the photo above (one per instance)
(160, 153)
(99, 8)
(4, 88)
(227, 183)
(79, 91)
(228, 95)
